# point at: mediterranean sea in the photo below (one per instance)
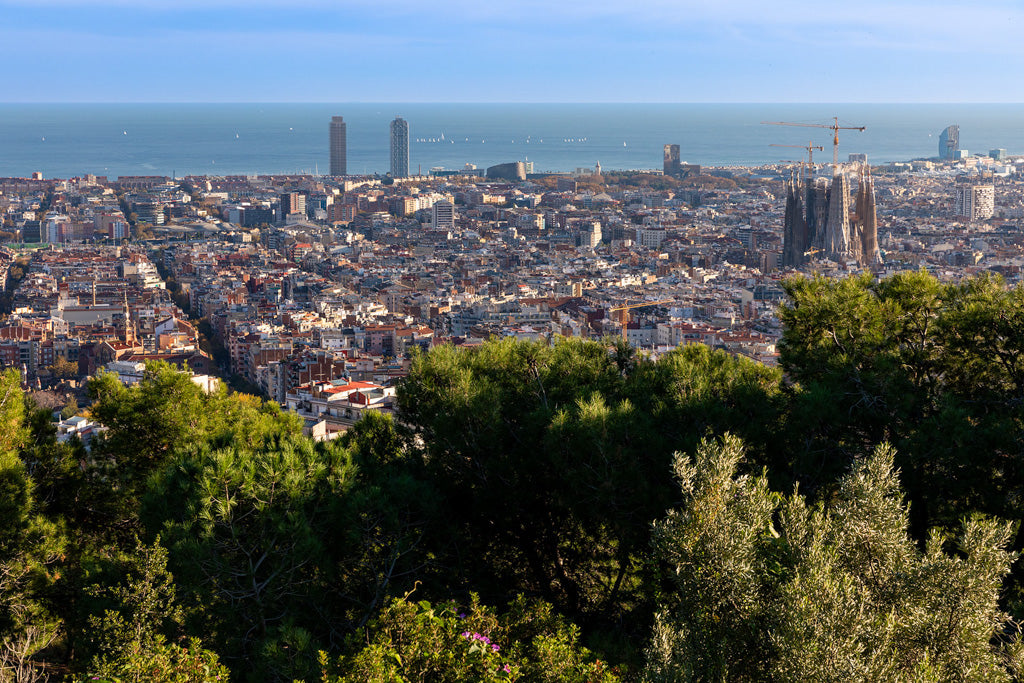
(66, 140)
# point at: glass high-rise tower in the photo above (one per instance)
(949, 142)
(399, 148)
(339, 152)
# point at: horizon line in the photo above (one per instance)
(492, 102)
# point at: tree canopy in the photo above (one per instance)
(597, 427)
(524, 495)
(936, 369)
(768, 587)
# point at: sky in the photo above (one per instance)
(514, 51)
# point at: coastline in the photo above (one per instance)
(68, 140)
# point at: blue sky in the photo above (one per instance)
(517, 51)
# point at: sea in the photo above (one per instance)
(67, 140)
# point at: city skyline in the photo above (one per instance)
(655, 51)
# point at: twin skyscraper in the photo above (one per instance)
(339, 146)
(399, 147)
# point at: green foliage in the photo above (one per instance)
(274, 552)
(719, 543)
(15, 502)
(31, 547)
(769, 589)
(70, 408)
(167, 411)
(133, 603)
(250, 536)
(520, 467)
(694, 391)
(409, 641)
(62, 368)
(547, 646)
(61, 488)
(12, 412)
(418, 641)
(484, 418)
(597, 428)
(164, 413)
(391, 524)
(162, 662)
(937, 369)
(31, 555)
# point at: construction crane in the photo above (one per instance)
(796, 162)
(810, 147)
(628, 307)
(834, 127)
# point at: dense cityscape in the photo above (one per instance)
(688, 422)
(313, 291)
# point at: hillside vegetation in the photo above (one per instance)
(561, 512)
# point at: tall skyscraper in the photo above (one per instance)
(949, 142)
(339, 152)
(399, 148)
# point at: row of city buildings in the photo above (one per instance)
(317, 290)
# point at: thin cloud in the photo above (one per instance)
(744, 50)
(931, 25)
(177, 44)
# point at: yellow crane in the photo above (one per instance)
(810, 147)
(624, 317)
(834, 127)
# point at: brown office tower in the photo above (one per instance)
(339, 154)
(671, 163)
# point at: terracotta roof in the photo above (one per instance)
(351, 386)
